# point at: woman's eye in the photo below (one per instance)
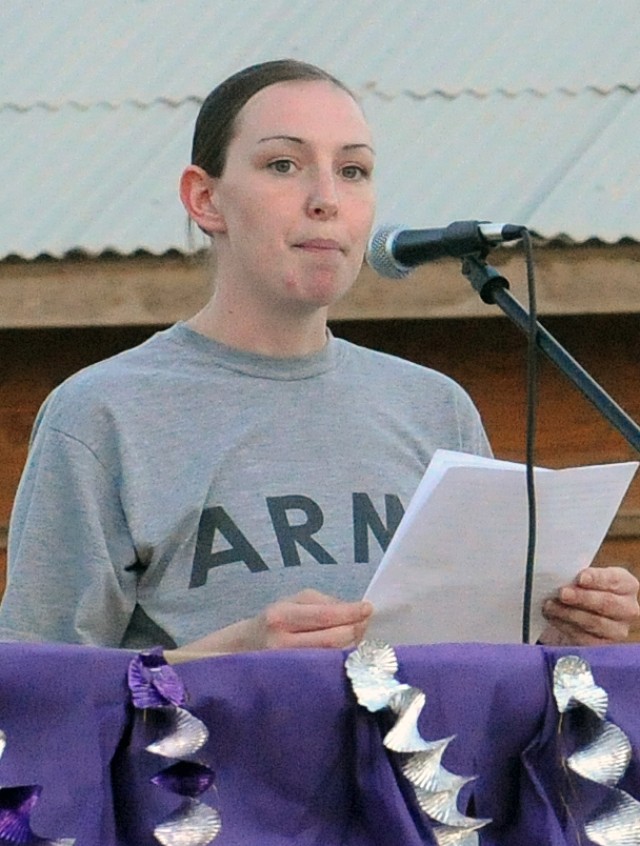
(354, 172)
(282, 166)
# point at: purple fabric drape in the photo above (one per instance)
(296, 759)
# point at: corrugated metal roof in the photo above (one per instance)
(103, 178)
(83, 51)
(528, 112)
(557, 164)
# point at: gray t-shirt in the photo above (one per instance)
(182, 485)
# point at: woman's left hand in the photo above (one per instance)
(597, 608)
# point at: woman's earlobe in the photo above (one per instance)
(197, 192)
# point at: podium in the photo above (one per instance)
(297, 760)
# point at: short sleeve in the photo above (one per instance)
(70, 564)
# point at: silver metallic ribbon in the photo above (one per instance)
(157, 690)
(372, 668)
(603, 758)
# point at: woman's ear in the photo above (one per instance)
(197, 192)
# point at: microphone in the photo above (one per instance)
(394, 251)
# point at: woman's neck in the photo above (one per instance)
(256, 330)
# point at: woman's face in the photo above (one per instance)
(295, 202)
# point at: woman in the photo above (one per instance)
(176, 493)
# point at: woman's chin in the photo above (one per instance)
(321, 290)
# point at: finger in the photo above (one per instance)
(310, 596)
(564, 634)
(606, 603)
(615, 579)
(585, 623)
(571, 634)
(301, 617)
(339, 637)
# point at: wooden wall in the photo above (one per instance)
(486, 355)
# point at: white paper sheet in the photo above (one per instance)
(455, 568)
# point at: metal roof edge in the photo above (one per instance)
(372, 89)
(561, 241)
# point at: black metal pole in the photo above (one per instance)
(493, 289)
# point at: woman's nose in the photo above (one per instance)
(322, 201)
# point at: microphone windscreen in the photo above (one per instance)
(379, 254)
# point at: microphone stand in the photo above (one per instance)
(493, 289)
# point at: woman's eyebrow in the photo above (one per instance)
(281, 138)
(295, 140)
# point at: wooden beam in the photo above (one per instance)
(579, 280)
(625, 525)
(145, 290)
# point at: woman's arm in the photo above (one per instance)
(69, 549)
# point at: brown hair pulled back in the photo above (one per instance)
(216, 121)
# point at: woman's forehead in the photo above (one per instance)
(301, 109)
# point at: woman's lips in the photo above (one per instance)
(320, 244)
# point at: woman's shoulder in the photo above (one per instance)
(111, 382)
(388, 367)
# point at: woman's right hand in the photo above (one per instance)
(309, 619)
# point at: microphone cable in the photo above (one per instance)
(531, 427)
